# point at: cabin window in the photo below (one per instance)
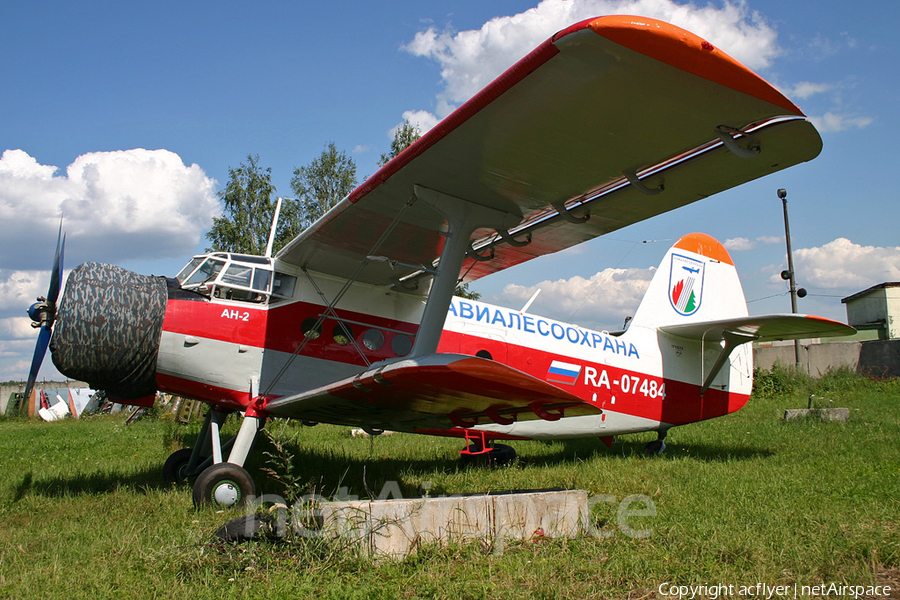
(311, 328)
(342, 334)
(401, 344)
(373, 340)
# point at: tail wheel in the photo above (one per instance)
(175, 468)
(225, 485)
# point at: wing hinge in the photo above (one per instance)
(726, 134)
(506, 415)
(567, 214)
(642, 187)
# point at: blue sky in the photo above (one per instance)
(127, 117)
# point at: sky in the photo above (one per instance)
(126, 117)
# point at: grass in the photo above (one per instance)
(740, 500)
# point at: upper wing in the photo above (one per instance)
(621, 118)
(438, 391)
(762, 328)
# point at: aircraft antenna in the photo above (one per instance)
(530, 301)
(274, 227)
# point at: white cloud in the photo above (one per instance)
(739, 244)
(805, 89)
(469, 60)
(117, 205)
(19, 289)
(603, 301)
(831, 122)
(14, 371)
(422, 119)
(846, 265)
(18, 328)
(770, 239)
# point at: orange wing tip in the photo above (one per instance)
(704, 245)
(684, 50)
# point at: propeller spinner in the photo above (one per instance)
(43, 312)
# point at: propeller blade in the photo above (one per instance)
(40, 349)
(56, 273)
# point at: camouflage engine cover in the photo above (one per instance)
(108, 327)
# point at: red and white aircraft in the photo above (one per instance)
(609, 122)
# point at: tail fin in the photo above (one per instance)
(696, 281)
(697, 296)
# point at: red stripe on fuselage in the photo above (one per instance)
(638, 394)
(237, 399)
(278, 328)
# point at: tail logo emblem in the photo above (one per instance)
(686, 284)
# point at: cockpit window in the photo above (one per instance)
(237, 275)
(284, 285)
(261, 279)
(189, 268)
(233, 277)
(206, 273)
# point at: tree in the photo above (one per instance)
(320, 185)
(404, 137)
(244, 227)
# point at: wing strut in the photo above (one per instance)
(733, 339)
(329, 306)
(463, 218)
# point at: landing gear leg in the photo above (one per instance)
(228, 484)
(187, 463)
(480, 452)
(658, 446)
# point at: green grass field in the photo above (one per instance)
(741, 500)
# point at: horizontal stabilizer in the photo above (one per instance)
(762, 328)
(435, 391)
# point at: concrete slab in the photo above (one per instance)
(397, 528)
(826, 414)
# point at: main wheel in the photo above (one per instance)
(502, 455)
(224, 485)
(175, 468)
(655, 448)
(499, 456)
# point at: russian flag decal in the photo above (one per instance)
(562, 372)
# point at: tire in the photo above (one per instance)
(655, 448)
(499, 456)
(175, 467)
(224, 485)
(502, 455)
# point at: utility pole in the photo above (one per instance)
(789, 274)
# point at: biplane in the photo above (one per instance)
(609, 122)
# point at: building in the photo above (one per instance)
(876, 309)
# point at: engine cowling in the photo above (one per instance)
(108, 328)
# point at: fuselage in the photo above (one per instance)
(229, 351)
